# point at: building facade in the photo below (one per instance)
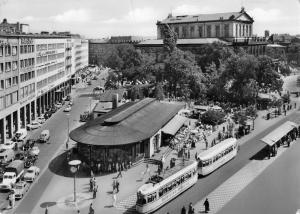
(35, 73)
(193, 31)
(17, 28)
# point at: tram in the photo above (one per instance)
(159, 190)
(216, 156)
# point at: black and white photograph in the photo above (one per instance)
(149, 107)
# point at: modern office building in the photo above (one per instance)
(35, 72)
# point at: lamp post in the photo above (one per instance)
(74, 167)
(68, 117)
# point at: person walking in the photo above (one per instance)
(117, 185)
(114, 184)
(183, 210)
(91, 184)
(46, 210)
(91, 209)
(206, 205)
(191, 209)
(120, 173)
(94, 192)
(67, 145)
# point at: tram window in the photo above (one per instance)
(151, 197)
(141, 199)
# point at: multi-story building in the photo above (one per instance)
(13, 27)
(80, 54)
(232, 28)
(35, 72)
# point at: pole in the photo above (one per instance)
(68, 129)
(90, 105)
(75, 187)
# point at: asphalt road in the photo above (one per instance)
(275, 191)
(57, 125)
(207, 184)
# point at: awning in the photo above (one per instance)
(278, 133)
(174, 125)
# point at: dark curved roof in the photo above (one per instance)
(129, 123)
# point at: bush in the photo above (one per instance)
(213, 118)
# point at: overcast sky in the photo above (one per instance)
(103, 18)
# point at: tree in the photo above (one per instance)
(159, 91)
(170, 38)
(212, 117)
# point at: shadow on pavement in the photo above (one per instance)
(47, 204)
(261, 155)
(59, 166)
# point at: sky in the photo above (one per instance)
(105, 18)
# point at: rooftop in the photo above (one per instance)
(196, 41)
(107, 96)
(204, 17)
(129, 123)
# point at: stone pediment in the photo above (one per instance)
(244, 17)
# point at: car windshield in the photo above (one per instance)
(7, 143)
(30, 171)
(19, 186)
(8, 177)
(34, 123)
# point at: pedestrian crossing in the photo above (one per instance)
(128, 205)
(235, 184)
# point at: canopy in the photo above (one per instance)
(174, 125)
(279, 132)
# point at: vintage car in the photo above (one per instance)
(20, 189)
(31, 174)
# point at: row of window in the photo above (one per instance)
(217, 157)
(8, 66)
(56, 56)
(8, 50)
(27, 62)
(27, 90)
(56, 66)
(44, 47)
(8, 100)
(165, 189)
(9, 82)
(26, 49)
(50, 79)
(27, 76)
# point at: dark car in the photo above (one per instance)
(29, 144)
(30, 160)
(19, 156)
(53, 109)
(48, 114)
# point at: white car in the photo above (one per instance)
(34, 125)
(35, 151)
(68, 108)
(31, 174)
(20, 189)
(41, 119)
(58, 105)
(9, 144)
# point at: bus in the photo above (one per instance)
(159, 190)
(216, 156)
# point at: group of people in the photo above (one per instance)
(110, 167)
(93, 187)
(191, 209)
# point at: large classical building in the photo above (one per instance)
(35, 72)
(232, 28)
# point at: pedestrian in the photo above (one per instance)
(117, 185)
(114, 184)
(196, 156)
(206, 205)
(183, 210)
(284, 112)
(94, 193)
(191, 209)
(114, 198)
(67, 145)
(120, 173)
(189, 154)
(46, 210)
(295, 105)
(91, 209)
(78, 211)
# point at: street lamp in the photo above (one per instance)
(68, 117)
(74, 167)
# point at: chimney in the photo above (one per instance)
(115, 101)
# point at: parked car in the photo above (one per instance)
(31, 174)
(58, 105)
(48, 114)
(41, 119)
(53, 109)
(20, 189)
(68, 108)
(35, 151)
(20, 135)
(29, 144)
(68, 98)
(33, 125)
(6, 156)
(9, 144)
(71, 103)
(19, 156)
(30, 161)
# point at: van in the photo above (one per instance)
(44, 136)
(6, 156)
(20, 134)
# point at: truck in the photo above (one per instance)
(13, 173)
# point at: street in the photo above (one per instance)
(57, 125)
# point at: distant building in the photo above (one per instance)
(16, 28)
(282, 39)
(267, 33)
(100, 48)
(232, 28)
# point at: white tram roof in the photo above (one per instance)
(213, 151)
(279, 132)
(169, 175)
